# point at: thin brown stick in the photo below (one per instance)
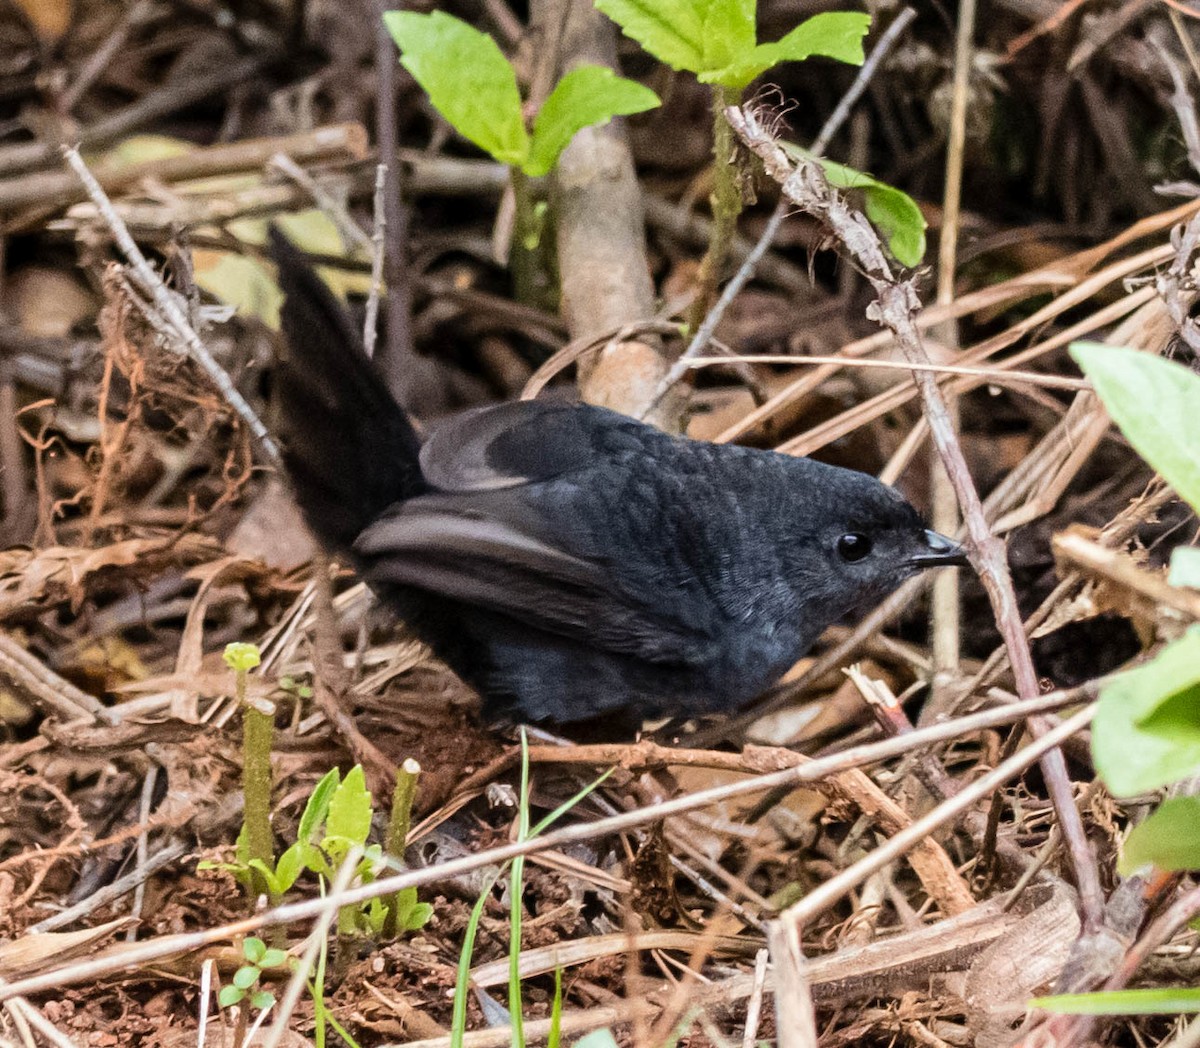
(895, 308)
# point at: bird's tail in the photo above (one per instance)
(349, 449)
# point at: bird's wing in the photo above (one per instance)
(472, 548)
(523, 442)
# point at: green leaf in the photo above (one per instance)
(834, 34)
(262, 1000)
(246, 976)
(893, 211)
(241, 656)
(730, 31)
(273, 958)
(288, 867)
(317, 807)
(268, 875)
(671, 30)
(376, 913)
(253, 949)
(1169, 838)
(1123, 1002)
(1153, 401)
(554, 1037)
(1185, 567)
(229, 996)
(467, 78)
(586, 97)
(418, 917)
(1147, 728)
(350, 809)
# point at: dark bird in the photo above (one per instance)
(571, 563)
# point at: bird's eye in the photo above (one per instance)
(853, 546)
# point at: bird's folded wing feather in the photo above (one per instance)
(491, 563)
(522, 442)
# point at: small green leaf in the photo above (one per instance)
(1123, 1002)
(1153, 401)
(350, 809)
(671, 30)
(588, 96)
(253, 949)
(1185, 567)
(242, 848)
(229, 996)
(262, 1000)
(246, 976)
(317, 807)
(241, 657)
(288, 867)
(1147, 728)
(418, 917)
(834, 34)
(269, 876)
(273, 958)
(467, 78)
(376, 914)
(1169, 838)
(894, 212)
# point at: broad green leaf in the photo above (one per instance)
(350, 809)
(585, 97)
(262, 1000)
(1154, 402)
(229, 996)
(834, 34)
(1169, 838)
(1123, 1002)
(730, 31)
(467, 78)
(1185, 567)
(893, 211)
(671, 30)
(253, 949)
(1147, 728)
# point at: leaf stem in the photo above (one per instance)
(726, 204)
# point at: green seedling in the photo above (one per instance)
(471, 83)
(717, 40)
(462, 986)
(245, 983)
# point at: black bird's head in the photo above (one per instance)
(865, 540)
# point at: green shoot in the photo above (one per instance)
(719, 43)
(255, 842)
(462, 984)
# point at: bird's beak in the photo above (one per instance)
(940, 552)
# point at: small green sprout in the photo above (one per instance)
(259, 957)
